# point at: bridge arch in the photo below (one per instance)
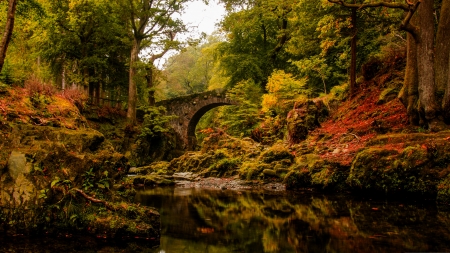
(189, 110)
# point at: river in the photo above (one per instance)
(215, 221)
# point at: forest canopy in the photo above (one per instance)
(267, 53)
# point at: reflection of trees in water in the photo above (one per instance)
(251, 222)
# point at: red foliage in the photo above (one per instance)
(355, 123)
(34, 86)
(76, 97)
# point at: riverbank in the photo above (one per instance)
(58, 176)
(364, 145)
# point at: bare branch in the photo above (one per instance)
(90, 198)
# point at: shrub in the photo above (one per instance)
(155, 122)
(35, 86)
(76, 97)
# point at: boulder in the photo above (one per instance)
(59, 180)
(305, 116)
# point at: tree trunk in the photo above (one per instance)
(425, 62)
(353, 49)
(441, 62)
(443, 47)
(132, 89)
(446, 101)
(150, 84)
(97, 91)
(412, 79)
(8, 31)
(409, 93)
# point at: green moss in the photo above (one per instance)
(252, 170)
(297, 178)
(388, 94)
(390, 171)
(276, 153)
(269, 173)
(413, 156)
(225, 167)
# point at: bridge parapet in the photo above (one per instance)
(189, 109)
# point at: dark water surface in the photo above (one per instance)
(195, 220)
(215, 221)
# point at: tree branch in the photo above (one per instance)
(404, 7)
(409, 7)
(92, 199)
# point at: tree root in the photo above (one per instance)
(92, 199)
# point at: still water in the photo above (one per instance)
(214, 221)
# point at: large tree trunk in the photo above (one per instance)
(443, 58)
(425, 63)
(441, 62)
(132, 89)
(409, 94)
(446, 101)
(8, 31)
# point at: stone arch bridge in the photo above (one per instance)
(189, 109)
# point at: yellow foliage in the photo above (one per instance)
(268, 101)
(280, 81)
(282, 87)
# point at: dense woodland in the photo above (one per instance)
(348, 96)
(266, 53)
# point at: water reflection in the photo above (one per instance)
(196, 220)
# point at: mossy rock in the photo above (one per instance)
(368, 167)
(306, 116)
(297, 178)
(269, 173)
(410, 138)
(235, 146)
(251, 170)
(388, 95)
(391, 171)
(128, 220)
(152, 179)
(160, 168)
(225, 167)
(277, 152)
(308, 160)
(329, 176)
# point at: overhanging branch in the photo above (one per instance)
(409, 7)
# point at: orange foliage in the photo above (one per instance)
(355, 123)
(34, 86)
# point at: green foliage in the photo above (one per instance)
(104, 181)
(256, 37)
(39, 100)
(340, 91)
(89, 177)
(86, 40)
(270, 129)
(6, 74)
(238, 120)
(155, 122)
